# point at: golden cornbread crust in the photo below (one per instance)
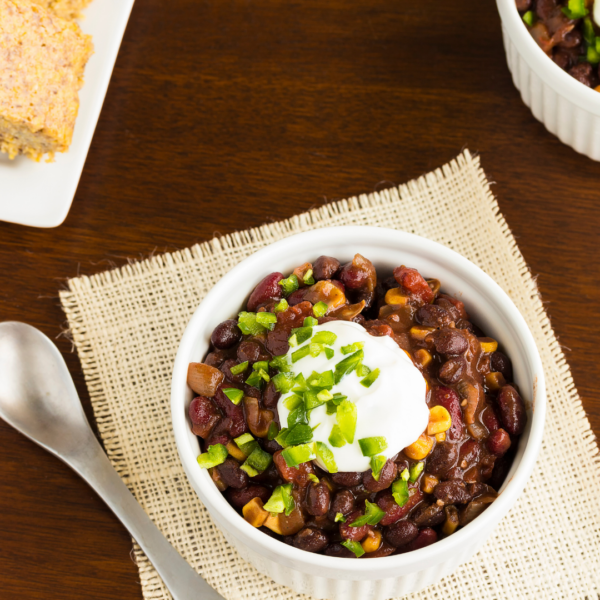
(42, 58)
(67, 9)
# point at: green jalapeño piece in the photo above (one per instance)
(320, 309)
(372, 445)
(289, 284)
(346, 419)
(214, 456)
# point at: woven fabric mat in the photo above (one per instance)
(127, 323)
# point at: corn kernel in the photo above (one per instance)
(420, 449)
(488, 344)
(420, 333)
(439, 420)
(285, 525)
(429, 483)
(423, 357)
(440, 437)
(372, 541)
(254, 512)
(235, 451)
(451, 523)
(495, 381)
(395, 296)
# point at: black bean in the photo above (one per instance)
(428, 515)
(451, 371)
(401, 533)
(226, 334)
(318, 499)
(239, 498)
(343, 502)
(432, 315)
(271, 395)
(452, 492)
(310, 539)
(251, 352)
(450, 341)
(325, 267)
(386, 477)
(225, 368)
(501, 363)
(347, 479)
(582, 72)
(442, 459)
(215, 359)
(232, 475)
(339, 551)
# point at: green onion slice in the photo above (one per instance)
(300, 353)
(266, 319)
(336, 438)
(215, 455)
(289, 284)
(352, 347)
(320, 309)
(324, 337)
(249, 325)
(415, 471)
(377, 463)
(310, 322)
(373, 514)
(370, 378)
(372, 445)
(273, 431)
(280, 363)
(348, 365)
(354, 547)
(299, 434)
(296, 455)
(233, 394)
(346, 419)
(400, 491)
(326, 455)
(281, 306)
(339, 518)
(283, 382)
(237, 369)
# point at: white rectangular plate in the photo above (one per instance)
(40, 194)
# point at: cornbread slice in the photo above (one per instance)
(67, 9)
(42, 58)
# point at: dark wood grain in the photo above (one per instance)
(223, 115)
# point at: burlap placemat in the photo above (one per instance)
(127, 324)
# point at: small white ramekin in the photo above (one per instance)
(568, 109)
(365, 579)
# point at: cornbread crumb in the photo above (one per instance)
(67, 9)
(42, 58)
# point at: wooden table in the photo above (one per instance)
(225, 115)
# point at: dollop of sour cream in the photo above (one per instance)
(596, 12)
(394, 406)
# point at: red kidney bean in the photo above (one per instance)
(339, 551)
(511, 410)
(432, 315)
(401, 533)
(220, 433)
(318, 499)
(450, 342)
(523, 5)
(386, 477)
(499, 442)
(239, 498)
(393, 512)
(452, 492)
(572, 39)
(426, 537)
(297, 297)
(267, 289)
(378, 328)
(226, 334)
(346, 479)
(500, 362)
(251, 352)
(452, 370)
(343, 502)
(232, 475)
(544, 8)
(449, 399)
(355, 534)
(442, 459)
(489, 418)
(413, 282)
(428, 515)
(325, 267)
(298, 475)
(271, 446)
(203, 415)
(310, 539)
(235, 413)
(271, 395)
(470, 453)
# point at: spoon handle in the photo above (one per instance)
(94, 467)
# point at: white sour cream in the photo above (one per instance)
(393, 407)
(596, 12)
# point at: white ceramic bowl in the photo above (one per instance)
(374, 579)
(568, 109)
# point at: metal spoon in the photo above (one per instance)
(38, 398)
